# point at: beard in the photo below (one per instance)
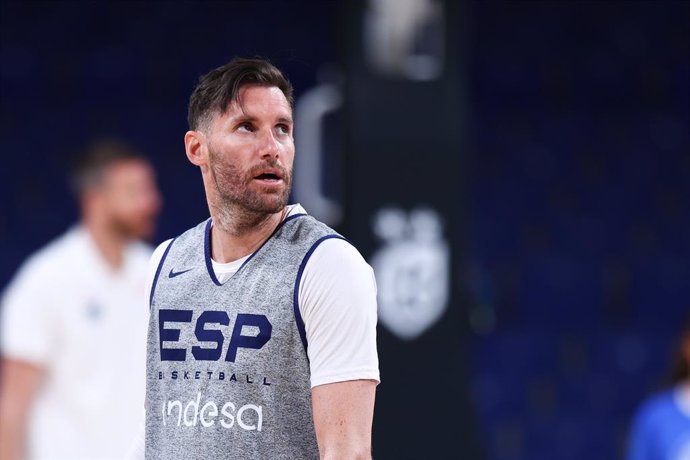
(140, 227)
(236, 191)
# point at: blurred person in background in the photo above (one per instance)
(73, 320)
(661, 427)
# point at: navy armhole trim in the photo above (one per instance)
(158, 272)
(207, 253)
(298, 316)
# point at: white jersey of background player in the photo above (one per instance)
(73, 321)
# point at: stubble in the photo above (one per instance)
(239, 204)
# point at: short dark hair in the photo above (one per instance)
(89, 169)
(217, 89)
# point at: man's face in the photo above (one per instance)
(251, 150)
(131, 199)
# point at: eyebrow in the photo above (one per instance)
(246, 117)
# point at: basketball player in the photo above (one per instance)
(262, 338)
(661, 426)
(74, 321)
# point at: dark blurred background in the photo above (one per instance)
(565, 160)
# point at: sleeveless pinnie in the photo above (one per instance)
(227, 369)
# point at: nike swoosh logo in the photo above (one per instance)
(173, 274)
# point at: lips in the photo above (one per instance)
(268, 175)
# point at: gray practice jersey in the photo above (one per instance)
(227, 368)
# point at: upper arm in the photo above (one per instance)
(27, 314)
(343, 415)
(27, 336)
(338, 305)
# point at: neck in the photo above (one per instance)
(238, 233)
(109, 242)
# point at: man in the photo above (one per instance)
(262, 338)
(661, 425)
(74, 321)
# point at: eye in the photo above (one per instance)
(283, 129)
(245, 126)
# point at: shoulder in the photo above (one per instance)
(335, 266)
(141, 250)
(655, 408)
(157, 254)
(303, 230)
(138, 255)
(55, 258)
(336, 251)
(327, 252)
(43, 279)
(190, 236)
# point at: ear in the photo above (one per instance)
(195, 147)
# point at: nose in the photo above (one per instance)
(269, 147)
(156, 201)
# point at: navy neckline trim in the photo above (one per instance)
(207, 247)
